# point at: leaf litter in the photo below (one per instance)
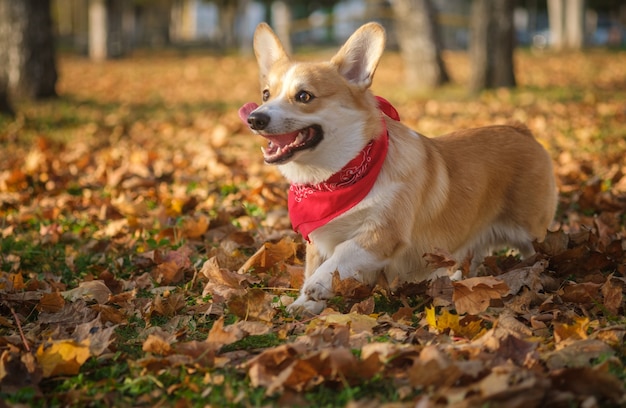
(147, 237)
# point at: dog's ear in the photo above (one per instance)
(267, 48)
(358, 58)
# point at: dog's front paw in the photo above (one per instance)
(318, 286)
(304, 306)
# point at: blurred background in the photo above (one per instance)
(31, 31)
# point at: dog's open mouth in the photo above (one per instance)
(281, 148)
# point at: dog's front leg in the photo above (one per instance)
(304, 304)
(351, 260)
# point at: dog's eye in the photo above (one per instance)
(304, 97)
(266, 95)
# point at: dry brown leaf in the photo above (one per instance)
(156, 345)
(269, 255)
(577, 354)
(583, 293)
(95, 290)
(527, 276)
(613, 295)
(439, 258)
(195, 227)
(168, 305)
(555, 243)
(222, 282)
(51, 302)
(350, 288)
(365, 307)
(254, 304)
(264, 368)
(587, 381)
(473, 295)
(219, 336)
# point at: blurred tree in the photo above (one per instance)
(5, 32)
(491, 45)
(5, 105)
(567, 23)
(420, 43)
(28, 65)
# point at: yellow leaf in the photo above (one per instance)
(357, 322)
(431, 317)
(63, 357)
(574, 331)
(448, 320)
(451, 322)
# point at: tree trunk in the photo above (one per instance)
(492, 44)
(30, 65)
(5, 105)
(98, 30)
(420, 43)
(5, 38)
(107, 36)
(567, 24)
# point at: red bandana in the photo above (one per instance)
(312, 206)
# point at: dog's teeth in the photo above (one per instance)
(299, 138)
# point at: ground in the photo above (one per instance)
(147, 255)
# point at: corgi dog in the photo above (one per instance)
(372, 196)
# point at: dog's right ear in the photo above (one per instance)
(267, 48)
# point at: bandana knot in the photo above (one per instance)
(313, 205)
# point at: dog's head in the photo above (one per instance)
(316, 117)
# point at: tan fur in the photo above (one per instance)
(467, 192)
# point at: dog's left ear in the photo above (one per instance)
(358, 58)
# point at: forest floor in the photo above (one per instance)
(146, 253)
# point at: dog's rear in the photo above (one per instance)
(465, 193)
(479, 190)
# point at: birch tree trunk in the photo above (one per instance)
(566, 18)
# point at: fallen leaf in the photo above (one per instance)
(95, 290)
(269, 255)
(62, 357)
(219, 336)
(577, 354)
(222, 282)
(356, 322)
(574, 331)
(156, 345)
(254, 304)
(350, 288)
(473, 295)
(587, 381)
(612, 294)
(51, 302)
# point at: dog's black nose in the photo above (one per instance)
(258, 120)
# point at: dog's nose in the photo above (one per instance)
(258, 120)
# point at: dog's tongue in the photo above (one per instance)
(246, 110)
(279, 140)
